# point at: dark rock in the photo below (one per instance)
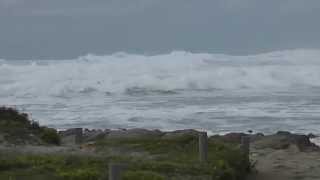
(134, 133)
(68, 132)
(283, 140)
(256, 137)
(283, 133)
(303, 142)
(93, 135)
(88, 132)
(311, 136)
(180, 133)
(233, 137)
(260, 134)
(273, 141)
(71, 136)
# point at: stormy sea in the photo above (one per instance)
(179, 90)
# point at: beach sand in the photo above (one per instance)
(285, 164)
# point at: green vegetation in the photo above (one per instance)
(158, 160)
(142, 175)
(17, 128)
(21, 166)
(155, 158)
(50, 136)
(179, 156)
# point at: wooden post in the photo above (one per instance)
(245, 147)
(78, 135)
(245, 144)
(116, 170)
(203, 146)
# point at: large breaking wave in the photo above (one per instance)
(123, 73)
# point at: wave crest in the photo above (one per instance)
(130, 74)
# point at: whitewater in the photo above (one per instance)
(214, 92)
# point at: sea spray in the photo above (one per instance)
(215, 92)
(177, 71)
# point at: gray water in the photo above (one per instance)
(217, 93)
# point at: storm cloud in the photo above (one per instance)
(70, 28)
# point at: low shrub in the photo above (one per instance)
(50, 136)
(19, 129)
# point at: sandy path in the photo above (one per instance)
(288, 164)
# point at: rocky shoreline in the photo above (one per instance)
(152, 153)
(268, 153)
(279, 156)
(279, 140)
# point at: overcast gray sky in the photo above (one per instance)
(70, 28)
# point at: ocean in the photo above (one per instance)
(180, 90)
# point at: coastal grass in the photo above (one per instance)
(160, 159)
(178, 156)
(18, 128)
(53, 166)
(147, 158)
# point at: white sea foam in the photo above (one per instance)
(316, 141)
(123, 73)
(265, 92)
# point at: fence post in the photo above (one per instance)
(245, 147)
(203, 146)
(78, 135)
(116, 170)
